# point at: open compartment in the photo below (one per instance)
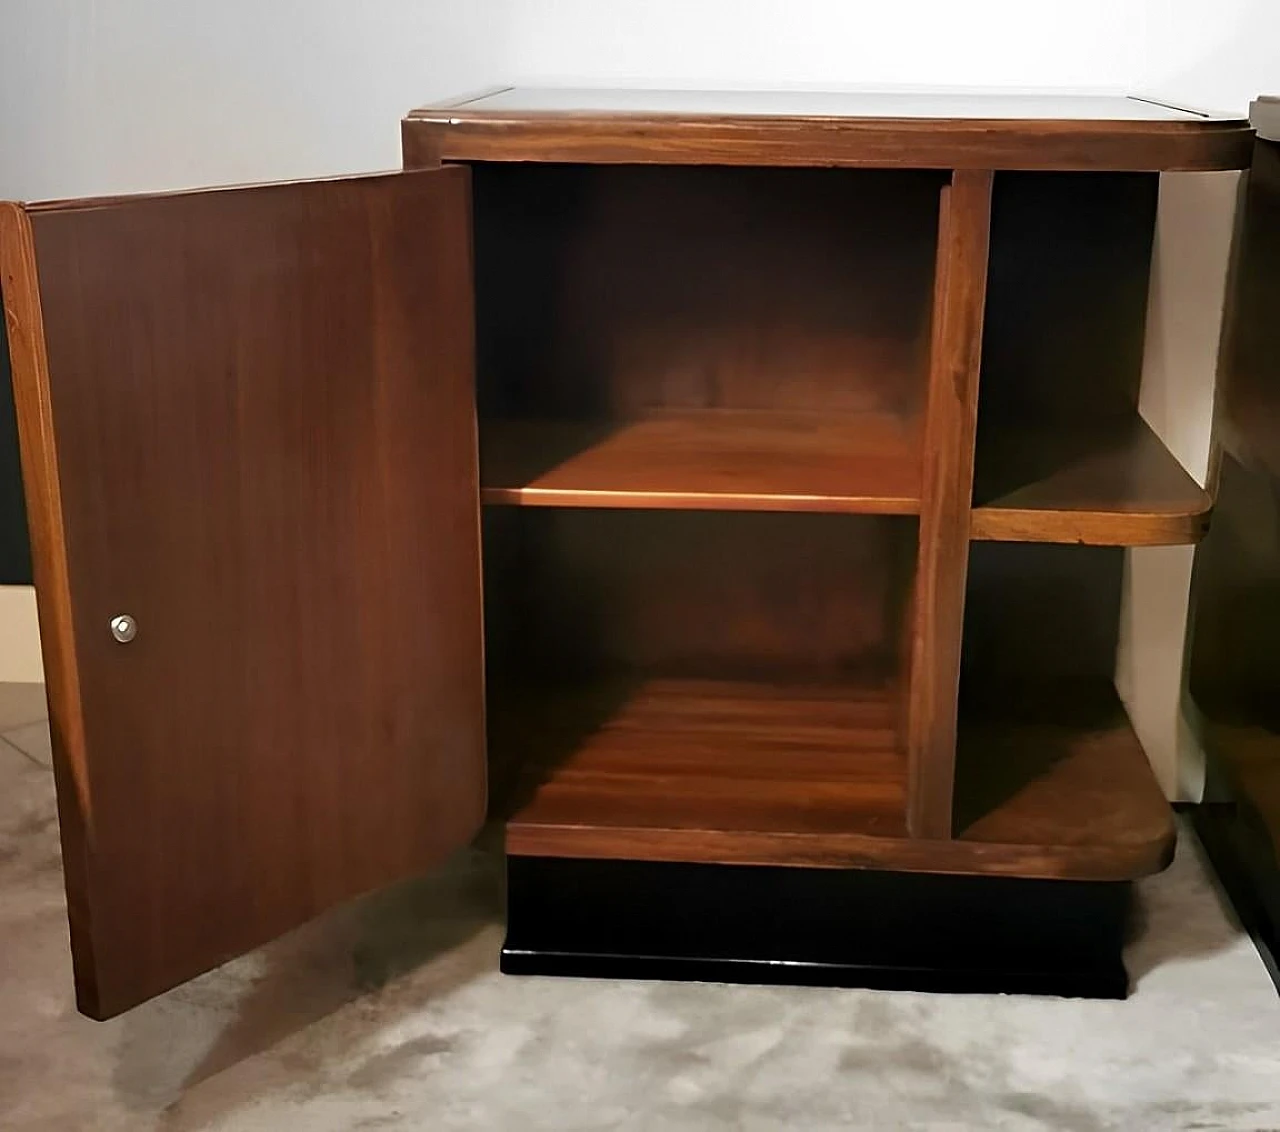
(1047, 758)
(715, 686)
(703, 337)
(1063, 455)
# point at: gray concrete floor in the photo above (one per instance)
(390, 1014)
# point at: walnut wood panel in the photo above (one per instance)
(1234, 674)
(1235, 651)
(576, 592)
(1235, 645)
(764, 774)
(254, 432)
(1134, 858)
(789, 760)
(1044, 743)
(955, 137)
(1234, 671)
(1110, 483)
(713, 458)
(1063, 767)
(603, 294)
(39, 451)
(949, 434)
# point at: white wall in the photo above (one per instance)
(1219, 55)
(134, 95)
(1189, 274)
(138, 95)
(130, 95)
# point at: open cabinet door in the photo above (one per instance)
(248, 439)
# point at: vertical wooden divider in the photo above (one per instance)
(937, 611)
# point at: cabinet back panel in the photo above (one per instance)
(607, 291)
(1067, 295)
(1038, 616)
(577, 592)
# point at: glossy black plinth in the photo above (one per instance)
(815, 927)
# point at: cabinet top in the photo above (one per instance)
(852, 128)
(888, 104)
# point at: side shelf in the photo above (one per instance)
(1110, 483)
(1066, 773)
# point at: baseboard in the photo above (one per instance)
(19, 636)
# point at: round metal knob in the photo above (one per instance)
(124, 628)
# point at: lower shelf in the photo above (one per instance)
(765, 774)
(817, 927)
(706, 770)
(1110, 483)
(1054, 782)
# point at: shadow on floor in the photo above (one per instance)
(443, 929)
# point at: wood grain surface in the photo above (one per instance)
(750, 756)
(1234, 670)
(608, 293)
(949, 439)
(1103, 483)
(866, 463)
(1060, 767)
(572, 593)
(753, 773)
(248, 422)
(826, 129)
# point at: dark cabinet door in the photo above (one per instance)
(248, 440)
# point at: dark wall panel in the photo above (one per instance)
(15, 553)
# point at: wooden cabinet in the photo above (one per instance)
(761, 385)
(1234, 672)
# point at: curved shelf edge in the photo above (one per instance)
(1091, 528)
(1104, 862)
(1105, 483)
(1062, 765)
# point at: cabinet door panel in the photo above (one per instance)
(247, 423)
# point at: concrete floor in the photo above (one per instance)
(390, 1014)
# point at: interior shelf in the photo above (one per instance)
(753, 773)
(723, 459)
(699, 770)
(1104, 484)
(1057, 784)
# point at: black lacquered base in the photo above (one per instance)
(815, 927)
